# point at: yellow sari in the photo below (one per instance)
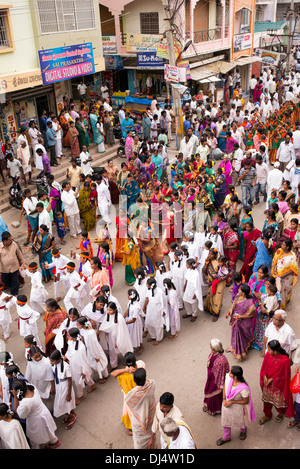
(127, 383)
(285, 270)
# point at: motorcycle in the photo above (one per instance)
(16, 194)
(121, 148)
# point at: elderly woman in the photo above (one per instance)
(285, 270)
(217, 368)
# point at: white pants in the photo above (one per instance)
(57, 287)
(156, 333)
(58, 148)
(74, 224)
(191, 309)
(104, 209)
(80, 386)
(71, 295)
(6, 330)
(38, 305)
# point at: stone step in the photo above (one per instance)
(59, 172)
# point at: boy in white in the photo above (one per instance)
(27, 318)
(5, 317)
(86, 270)
(69, 199)
(86, 159)
(76, 290)
(38, 293)
(59, 262)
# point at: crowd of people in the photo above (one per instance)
(186, 235)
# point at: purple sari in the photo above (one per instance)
(241, 329)
(217, 367)
(227, 173)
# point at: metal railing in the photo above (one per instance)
(210, 34)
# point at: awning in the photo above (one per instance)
(210, 80)
(246, 60)
(200, 73)
(221, 66)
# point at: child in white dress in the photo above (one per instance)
(27, 318)
(95, 354)
(173, 306)
(192, 296)
(178, 273)
(39, 372)
(5, 317)
(133, 317)
(62, 389)
(154, 309)
(81, 371)
(38, 293)
(12, 435)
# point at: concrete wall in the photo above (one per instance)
(132, 12)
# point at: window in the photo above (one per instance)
(149, 23)
(5, 30)
(58, 16)
(245, 20)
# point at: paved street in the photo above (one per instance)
(177, 366)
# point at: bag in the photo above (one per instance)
(295, 384)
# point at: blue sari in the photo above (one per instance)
(98, 138)
(263, 257)
(42, 246)
(131, 192)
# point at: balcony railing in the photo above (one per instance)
(208, 34)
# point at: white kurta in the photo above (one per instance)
(5, 317)
(27, 321)
(12, 435)
(5, 386)
(40, 426)
(39, 373)
(174, 314)
(61, 406)
(154, 316)
(78, 362)
(118, 333)
(178, 279)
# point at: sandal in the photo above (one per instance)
(71, 423)
(55, 445)
(292, 424)
(221, 442)
(243, 435)
(263, 420)
(279, 418)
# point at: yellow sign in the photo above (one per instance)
(162, 50)
(142, 42)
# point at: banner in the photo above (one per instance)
(171, 73)
(162, 49)
(64, 63)
(268, 56)
(242, 42)
(149, 60)
(186, 65)
(113, 62)
(109, 45)
(142, 42)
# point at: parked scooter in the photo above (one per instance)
(16, 194)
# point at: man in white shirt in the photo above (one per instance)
(104, 91)
(29, 205)
(279, 330)
(178, 433)
(252, 84)
(121, 114)
(69, 199)
(58, 141)
(289, 95)
(106, 105)
(238, 156)
(296, 139)
(262, 171)
(186, 147)
(274, 181)
(44, 216)
(194, 139)
(38, 158)
(266, 109)
(82, 89)
(86, 159)
(34, 134)
(165, 408)
(285, 153)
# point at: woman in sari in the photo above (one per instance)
(93, 122)
(128, 145)
(146, 125)
(149, 247)
(258, 89)
(168, 230)
(275, 378)
(290, 231)
(241, 315)
(226, 92)
(149, 168)
(82, 134)
(264, 246)
(271, 224)
(74, 134)
(285, 270)
(250, 235)
(54, 317)
(131, 259)
(258, 285)
(293, 212)
(227, 171)
(100, 135)
(87, 211)
(220, 224)
(112, 173)
(219, 191)
(217, 367)
(108, 129)
(42, 245)
(65, 128)
(121, 225)
(130, 190)
(213, 303)
(104, 237)
(231, 249)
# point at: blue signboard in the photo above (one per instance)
(113, 62)
(149, 60)
(64, 63)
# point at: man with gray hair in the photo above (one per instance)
(179, 434)
(279, 330)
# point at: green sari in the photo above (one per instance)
(82, 137)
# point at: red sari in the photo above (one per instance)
(250, 251)
(278, 391)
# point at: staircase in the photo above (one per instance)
(59, 173)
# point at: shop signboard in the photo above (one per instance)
(162, 49)
(109, 45)
(149, 60)
(242, 42)
(64, 63)
(142, 42)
